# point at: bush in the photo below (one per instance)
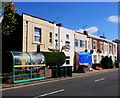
(107, 62)
(54, 58)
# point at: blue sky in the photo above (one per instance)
(98, 16)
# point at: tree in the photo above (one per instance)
(9, 21)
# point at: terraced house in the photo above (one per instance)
(38, 34)
(64, 42)
(101, 47)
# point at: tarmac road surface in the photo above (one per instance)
(103, 84)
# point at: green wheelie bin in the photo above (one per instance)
(69, 71)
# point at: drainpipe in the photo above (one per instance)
(59, 36)
(26, 36)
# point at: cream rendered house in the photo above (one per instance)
(80, 42)
(38, 34)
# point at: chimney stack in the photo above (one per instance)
(59, 24)
(85, 32)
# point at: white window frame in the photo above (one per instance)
(76, 41)
(67, 36)
(110, 49)
(82, 44)
(94, 44)
(68, 60)
(50, 37)
(67, 43)
(37, 35)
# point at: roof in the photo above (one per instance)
(98, 38)
(38, 18)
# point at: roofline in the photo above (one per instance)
(38, 18)
(80, 33)
(98, 38)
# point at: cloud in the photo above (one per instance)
(80, 30)
(114, 19)
(90, 30)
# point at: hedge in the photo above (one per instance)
(54, 58)
(107, 62)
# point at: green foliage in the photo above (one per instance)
(9, 21)
(107, 62)
(54, 58)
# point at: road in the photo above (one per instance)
(103, 84)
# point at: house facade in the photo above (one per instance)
(118, 49)
(64, 42)
(102, 47)
(81, 43)
(42, 35)
(38, 34)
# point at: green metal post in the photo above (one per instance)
(31, 64)
(13, 77)
(45, 71)
(45, 68)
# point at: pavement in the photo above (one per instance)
(47, 80)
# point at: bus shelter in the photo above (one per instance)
(24, 66)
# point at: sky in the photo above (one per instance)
(95, 17)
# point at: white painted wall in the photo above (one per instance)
(63, 32)
(56, 36)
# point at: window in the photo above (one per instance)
(56, 35)
(37, 34)
(76, 42)
(67, 60)
(94, 44)
(67, 57)
(95, 58)
(67, 43)
(106, 48)
(101, 46)
(86, 44)
(67, 36)
(50, 37)
(56, 43)
(110, 48)
(114, 49)
(81, 43)
(56, 40)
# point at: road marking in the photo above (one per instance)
(49, 93)
(99, 79)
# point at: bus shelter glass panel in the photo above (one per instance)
(38, 62)
(21, 66)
